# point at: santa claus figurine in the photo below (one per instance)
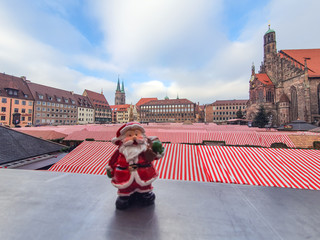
(131, 167)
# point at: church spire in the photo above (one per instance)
(118, 85)
(122, 87)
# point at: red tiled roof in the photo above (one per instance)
(263, 77)
(50, 92)
(145, 100)
(44, 134)
(300, 54)
(118, 108)
(168, 101)
(16, 83)
(97, 98)
(82, 101)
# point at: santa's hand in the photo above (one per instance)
(157, 147)
(109, 174)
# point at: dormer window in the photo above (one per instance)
(50, 98)
(58, 99)
(66, 100)
(40, 96)
(73, 102)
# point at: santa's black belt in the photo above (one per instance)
(133, 167)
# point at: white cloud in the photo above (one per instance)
(143, 32)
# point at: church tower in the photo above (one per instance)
(120, 95)
(270, 45)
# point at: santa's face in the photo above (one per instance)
(133, 143)
(133, 137)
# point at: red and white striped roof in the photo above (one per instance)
(292, 168)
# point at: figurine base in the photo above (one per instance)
(142, 199)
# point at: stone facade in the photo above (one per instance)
(286, 83)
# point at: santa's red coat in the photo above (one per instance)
(123, 177)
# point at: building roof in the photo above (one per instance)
(169, 101)
(199, 163)
(51, 94)
(118, 108)
(145, 100)
(263, 78)
(44, 134)
(312, 55)
(82, 101)
(96, 98)
(17, 146)
(229, 102)
(297, 125)
(16, 83)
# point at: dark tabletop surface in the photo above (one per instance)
(48, 205)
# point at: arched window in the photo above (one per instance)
(293, 104)
(319, 99)
(269, 97)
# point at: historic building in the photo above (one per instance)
(123, 113)
(223, 110)
(168, 110)
(53, 106)
(287, 85)
(85, 109)
(16, 101)
(102, 110)
(120, 95)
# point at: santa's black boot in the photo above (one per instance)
(147, 198)
(123, 202)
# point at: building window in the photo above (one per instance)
(16, 101)
(3, 118)
(23, 110)
(40, 96)
(3, 109)
(29, 111)
(293, 104)
(4, 100)
(16, 110)
(23, 102)
(269, 97)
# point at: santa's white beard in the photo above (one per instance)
(131, 151)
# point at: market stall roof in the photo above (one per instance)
(290, 168)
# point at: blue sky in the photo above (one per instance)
(198, 49)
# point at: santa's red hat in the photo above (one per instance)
(125, 127)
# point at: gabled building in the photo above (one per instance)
(16, 101)
(168, 110)
(102, 110)
(287, 85)
(53, 106)
(85, 109)
(123, 113)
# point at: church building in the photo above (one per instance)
(120, 95)
(287, 84)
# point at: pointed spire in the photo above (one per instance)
(101, 90)
(122, 87)
(253, 69)
(118, 85)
